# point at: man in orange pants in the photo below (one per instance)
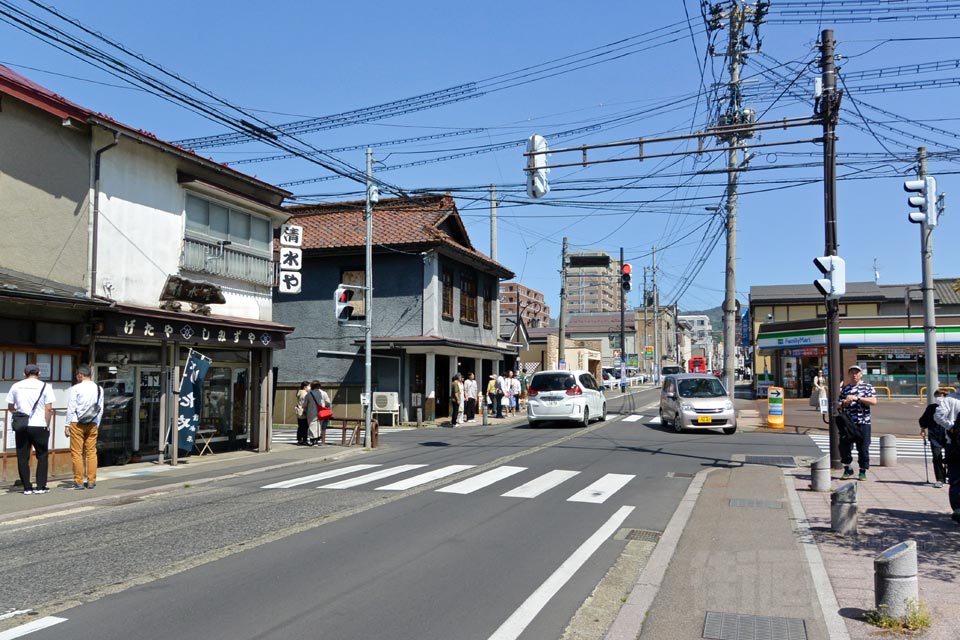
(84, 412)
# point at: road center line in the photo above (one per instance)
(30, 627)
(524, 615)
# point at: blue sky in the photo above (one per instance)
(285, 61)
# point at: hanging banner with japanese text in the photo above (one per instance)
(191, 394)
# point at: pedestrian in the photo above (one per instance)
(30, 403)
(303, 424)
(456, 398)
(515, 392)
(856, 398)
(500, 395)
(947, 415)
(470, 397)
(84, 413)
(935, 434)
(819, 389)
(491, 398)
(506, 386)
(317, 429)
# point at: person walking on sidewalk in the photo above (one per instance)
(34, 398)
(303, 424)
(515, 393)
(819, 389)
(470, 397)
(935, 434)
(947, 415)
(506, 387)
(492, 403)
(856, 398)
(456, 398)
(316, 398)
(84, 413)
(500, 397)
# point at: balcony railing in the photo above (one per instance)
(206, 257)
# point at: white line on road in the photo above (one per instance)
(30, 627)
(482, 480)
(602, 489)
(424, 478)
(14, 614)
(286, 484)
(372, 477)
(540, 485)
(524, 615)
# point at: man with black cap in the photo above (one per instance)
(856, 398)
(35, 398)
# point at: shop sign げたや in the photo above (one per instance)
(200, 333)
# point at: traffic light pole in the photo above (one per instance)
(623, 345)
(368, 302)
(829, 112)
(931, 369)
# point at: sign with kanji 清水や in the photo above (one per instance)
(291, 259)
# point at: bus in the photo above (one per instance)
(697, 364)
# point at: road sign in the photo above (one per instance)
(648, 353)
(616, 353)
(775, 407)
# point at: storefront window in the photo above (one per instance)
(225, 401)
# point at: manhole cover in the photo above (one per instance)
(643, 535)
(776, 461)
(734, 626)
(756, 504)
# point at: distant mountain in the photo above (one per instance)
(715, 314)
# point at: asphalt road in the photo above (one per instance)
(273, 556)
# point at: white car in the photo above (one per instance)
(565, 395)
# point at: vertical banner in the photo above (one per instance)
(191, 393)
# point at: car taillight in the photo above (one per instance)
(532, 392)
(574, 391)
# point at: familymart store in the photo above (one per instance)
(889, 349)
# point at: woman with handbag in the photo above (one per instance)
(317, 408)
(819, 389)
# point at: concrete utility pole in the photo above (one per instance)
(829, 112)
(368, 300)
(561, 351)
(929, 315)
(644, 356)
(493, 222)
(623, 344)
(656, 321)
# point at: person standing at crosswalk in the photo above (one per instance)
(947, 415)
(303, 424)
(315, 399)
(856, 398)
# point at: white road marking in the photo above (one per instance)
(531, 607)
(30, 627)
(13, 614)
(45, 516)
(655, 420)
(633, 418)
(286, 484)
(540, 485)
(911, 448)
(424, 478)
(599, 491)
(372, 477)
(482, 480)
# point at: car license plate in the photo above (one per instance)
(704, 419)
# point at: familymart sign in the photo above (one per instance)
(855, 336)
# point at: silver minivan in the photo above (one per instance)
(696, 401)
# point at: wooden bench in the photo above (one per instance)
(355, 427)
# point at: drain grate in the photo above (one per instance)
(734, 626)
(644, 535)
(776, 461)
(756, 504)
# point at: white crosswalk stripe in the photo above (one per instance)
(911, 448)
(424, 478)
(317, 477)
(481, 480)
(540, 485)
(289, 436)
(599, 491)
(372, 477)
(633, 418)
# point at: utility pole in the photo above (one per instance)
(931, 369)
(623, 344)
(829, 111)
(493, 222)
(645, 269)
(561, 351)
(656, 318)
(372, 196)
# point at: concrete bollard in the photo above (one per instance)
(843, 510)
(895, 578)
(888, 451)
(820, 474)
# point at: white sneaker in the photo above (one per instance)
(28, 493)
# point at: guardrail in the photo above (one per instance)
(887, 389)
(923, 390)
(632, 381)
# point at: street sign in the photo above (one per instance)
(562, 365)
(775, 407)
(616, 353)
(648, 353)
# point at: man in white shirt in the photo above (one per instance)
(470, 397)
(35, 398)
(500, 397)
(84, 412)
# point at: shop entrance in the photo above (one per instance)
(131, 413)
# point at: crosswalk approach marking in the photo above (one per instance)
(599, 491)
(30, 627)
(541, 485)
(287, 484)
(481, 480)
(633, 418)
(424, 478)
(372, 477)
(905, 448)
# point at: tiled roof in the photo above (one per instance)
(946, 291)
(397, 222)
(14, 284)
(807, 292)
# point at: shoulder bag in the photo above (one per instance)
(323, 412)
(20, 420)
(90, 415)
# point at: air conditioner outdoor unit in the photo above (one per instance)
(386, 401)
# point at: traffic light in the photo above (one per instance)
(626, 279)
(835, 284)
(537, 168)
(341, 298)
(925, 203)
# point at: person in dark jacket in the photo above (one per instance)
(947, 416)
(936, 435)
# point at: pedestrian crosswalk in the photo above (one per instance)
(289, 436)
(597, 490)
(906, 447)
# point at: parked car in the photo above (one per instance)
(565, 395)
(696, 401)
(670, 369)
(610, 381)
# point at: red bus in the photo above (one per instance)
(697, 364)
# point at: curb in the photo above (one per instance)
(629, 621)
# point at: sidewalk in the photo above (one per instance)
(898, 416)
(752, 543)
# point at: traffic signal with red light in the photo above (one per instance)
(341, 298)
(626, 277)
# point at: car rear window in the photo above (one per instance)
(700, 388)
(552, 382)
